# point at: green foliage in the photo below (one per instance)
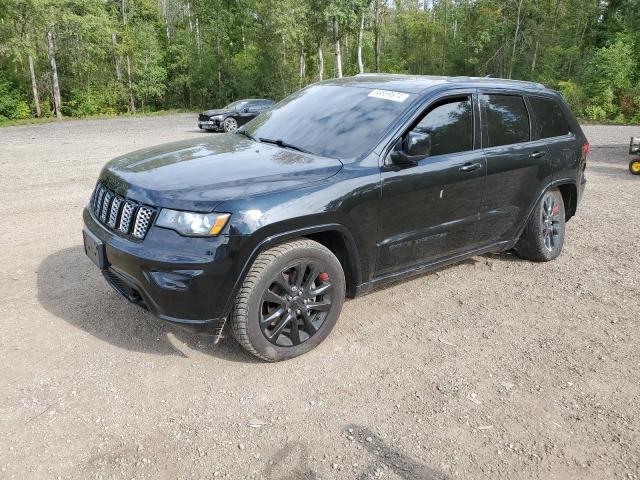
(203, 53)
(606, 77)
(12, 104)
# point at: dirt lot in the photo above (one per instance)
(494, 368)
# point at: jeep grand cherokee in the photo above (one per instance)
(343, 186)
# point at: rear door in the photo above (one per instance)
(429, 211)
(518, 165)
(552, 126)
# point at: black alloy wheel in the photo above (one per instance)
(550, 222)
(289, 301)
(296, 304)
(543, 236)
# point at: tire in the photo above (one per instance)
(230, 125)
(543, 236)
(262, 318)
(634, 167)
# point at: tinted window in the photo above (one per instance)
(507, 121)
(238, 105)
(332, 121)
(549, 117)
(450, 125)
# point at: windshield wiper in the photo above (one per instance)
(283, 144)
(246, 134)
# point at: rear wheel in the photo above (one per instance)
(543, 237)
(634, 166)
(289, 301)
(230, 125)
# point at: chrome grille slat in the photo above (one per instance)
(143, 218)
(101, 194)
(125, 218)
(105, 205)
(120, 213)
(115, 210)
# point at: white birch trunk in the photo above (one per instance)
(515, 39)
(320, 63)
(34, 87)
(116, 56)
(360, 34)
(132, 98)
(303, 67)
(336, 42)
(377, 15)
(198, 41)
(57, 101)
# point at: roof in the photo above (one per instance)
(421, 83)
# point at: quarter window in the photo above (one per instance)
(550, 118)
(506, 119)
(450, 125)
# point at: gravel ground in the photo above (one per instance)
(493, 368)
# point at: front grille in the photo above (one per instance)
(120, 213)
(203, 118)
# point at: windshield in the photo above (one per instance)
(236, 105)
(331, 121)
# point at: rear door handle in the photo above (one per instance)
(537, 154)
(470, 167)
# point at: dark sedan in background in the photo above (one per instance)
(229, 118)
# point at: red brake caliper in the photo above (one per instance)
(556, 210)
(323, 277)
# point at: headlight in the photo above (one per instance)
(216, 117)
(193, 224)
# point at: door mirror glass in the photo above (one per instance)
(416, 146)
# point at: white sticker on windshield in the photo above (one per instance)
(389, 95)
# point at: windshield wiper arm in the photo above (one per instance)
(283, 144)
(246, 134)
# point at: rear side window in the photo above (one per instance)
(549, 117)
(506, 118)
(450, 125)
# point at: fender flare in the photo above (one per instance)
(280, 237)
(550, 186)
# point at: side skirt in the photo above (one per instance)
(365, 288)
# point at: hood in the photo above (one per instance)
(219, 111)
(198, 174)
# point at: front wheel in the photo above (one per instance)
(634, 166)
(230, 125)
(290, 300)
(543, 236)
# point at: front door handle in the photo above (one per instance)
(470, 167)
(537, 154)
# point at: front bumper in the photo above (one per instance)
(209, 124)
(182, 280)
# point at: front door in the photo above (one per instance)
(429, 211)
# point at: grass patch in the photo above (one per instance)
(40, 121)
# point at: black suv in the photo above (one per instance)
(234, 115)
(343, 186)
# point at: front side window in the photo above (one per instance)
(236, 106)
(550, 118)
(506, 120)
(450, 125)
(342, 122)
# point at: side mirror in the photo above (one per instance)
(415, 147)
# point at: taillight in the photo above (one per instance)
(586, 149)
